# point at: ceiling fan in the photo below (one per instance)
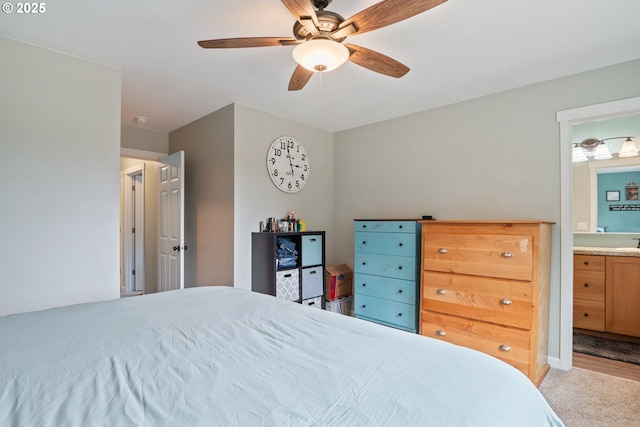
(318, 35)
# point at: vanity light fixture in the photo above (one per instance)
(598, 149)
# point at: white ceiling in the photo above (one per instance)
(459, 50)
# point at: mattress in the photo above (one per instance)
(222, 356)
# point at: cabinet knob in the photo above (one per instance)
(364, 285)
(586, 315)
(586, 263)
(506, 255)
(399, 267)
(364, 242)
(441, 292)
(442, 251)
(399, 314)
(440, 333)
(400, 244)
(586, 285)
(503, 347)
(506, 301)
(399, 291)
(364, 305)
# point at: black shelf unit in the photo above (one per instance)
(303, 282)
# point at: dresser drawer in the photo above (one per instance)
(288, 285)
(312, 282)
(384, 287)
(588, 262)
(311, 250)
(400, 267)
(386, 226)
(403, 244)
(588, 284)
(508, 344)
(502, 256)
(392, 313)
(491, 300)
(588, 314)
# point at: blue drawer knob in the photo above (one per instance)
(399, 314)
(399, 267)
(364, 284)
(364, 242)
(399, 291)
(364, 263)
(400, 244)
(364, 305)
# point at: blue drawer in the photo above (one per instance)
(391, 313)
(400, 267)
(386, 226)
(311, 250)
(385, 243)
(312, 281)
(384, 287)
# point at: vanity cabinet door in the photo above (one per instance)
(623, 295)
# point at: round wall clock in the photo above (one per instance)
(288, 164)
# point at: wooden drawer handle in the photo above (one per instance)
(442, 251)
(586, 285)
(586, 315)
(506, 255)
(441, 291)
(506, 301)
(503, 347)
(586, 263)
(440, 333)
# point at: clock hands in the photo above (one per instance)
(290, 162)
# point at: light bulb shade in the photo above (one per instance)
(320, 54)
(602, 152)
(578, 155)
(628, 149)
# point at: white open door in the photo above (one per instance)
(171, 245)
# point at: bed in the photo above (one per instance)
(223, 356)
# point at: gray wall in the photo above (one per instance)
(495, 157)
(60, 134)
(209, 197)
(255, 196)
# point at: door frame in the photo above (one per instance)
(133, 215)
(567, 119)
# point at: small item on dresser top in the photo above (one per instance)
(428, 217)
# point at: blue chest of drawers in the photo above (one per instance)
(386, 272)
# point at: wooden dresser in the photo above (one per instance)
(485, 285)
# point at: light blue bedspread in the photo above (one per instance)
(221, 356)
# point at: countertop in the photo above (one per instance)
(583, 250)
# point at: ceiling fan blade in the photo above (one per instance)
(376, 61)
(388, 12)
(246, 42)
(299, 78)
(303, 11)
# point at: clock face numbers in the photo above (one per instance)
(288, 164)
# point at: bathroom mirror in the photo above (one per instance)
(596, 183)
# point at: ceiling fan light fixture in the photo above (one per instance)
(320, 54)
(628, 149)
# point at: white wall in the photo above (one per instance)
(495, 157)
(60, 136)
(255, 196)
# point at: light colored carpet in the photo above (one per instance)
(584, 398)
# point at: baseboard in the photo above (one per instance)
(554, 362)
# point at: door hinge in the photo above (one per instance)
(133, 272)
(133, 230)
(133, 188)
